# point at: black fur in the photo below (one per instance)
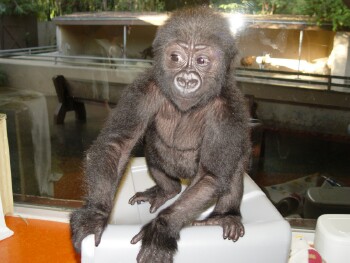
(196, 127)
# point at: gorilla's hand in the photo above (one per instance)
(232, 225)
(158, 244)
(85, 221)
(155, 196)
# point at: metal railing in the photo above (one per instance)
(297, 77)
(27, 51)
(96, 61)
(273, 77)
(51, 54)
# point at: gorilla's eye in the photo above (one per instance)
(202, 61)
(175, 57)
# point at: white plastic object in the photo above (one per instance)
(5, 232)
(267, 235)
(299, 250)
(332, 237)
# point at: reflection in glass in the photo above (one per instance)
(295, 72)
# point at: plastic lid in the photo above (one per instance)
(335, 227)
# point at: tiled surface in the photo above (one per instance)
(37, 241)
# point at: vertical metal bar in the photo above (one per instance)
(329, 86)
(301, 36)
(124, 42)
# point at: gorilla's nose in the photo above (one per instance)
(187, 82)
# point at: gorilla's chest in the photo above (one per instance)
(182, 131)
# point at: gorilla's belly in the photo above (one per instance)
(178, 162)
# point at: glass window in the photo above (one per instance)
(59, 80)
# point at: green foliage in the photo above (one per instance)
(19, 7)
(244, 6)
(171, 5)
(327, 11)
(321, 11)
(256, 6)
(52, 8)
(139, 6)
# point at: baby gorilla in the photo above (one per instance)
(195, 126)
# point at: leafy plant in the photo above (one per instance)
(19, 7)
(244, 7)
(327, 11)
(321, 11)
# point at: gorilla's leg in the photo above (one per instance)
(162, 233)
(165, 189)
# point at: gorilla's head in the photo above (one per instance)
(192, 52)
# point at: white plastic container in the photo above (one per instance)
(267, 237)
(332, 238)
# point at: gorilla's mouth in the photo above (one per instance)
(187, 82)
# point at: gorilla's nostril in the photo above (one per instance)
(192, 83)
(181, 81)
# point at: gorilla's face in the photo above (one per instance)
(193, 52)
(192, 72)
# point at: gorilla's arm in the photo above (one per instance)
(107, 158)
(227, 142)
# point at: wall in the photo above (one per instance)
(18, 32)
(284, 43)
(32, 75)
(282, 47)
(46, 33)
(310, 110)
(86, 40)
(279, 43)
(340, 56)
